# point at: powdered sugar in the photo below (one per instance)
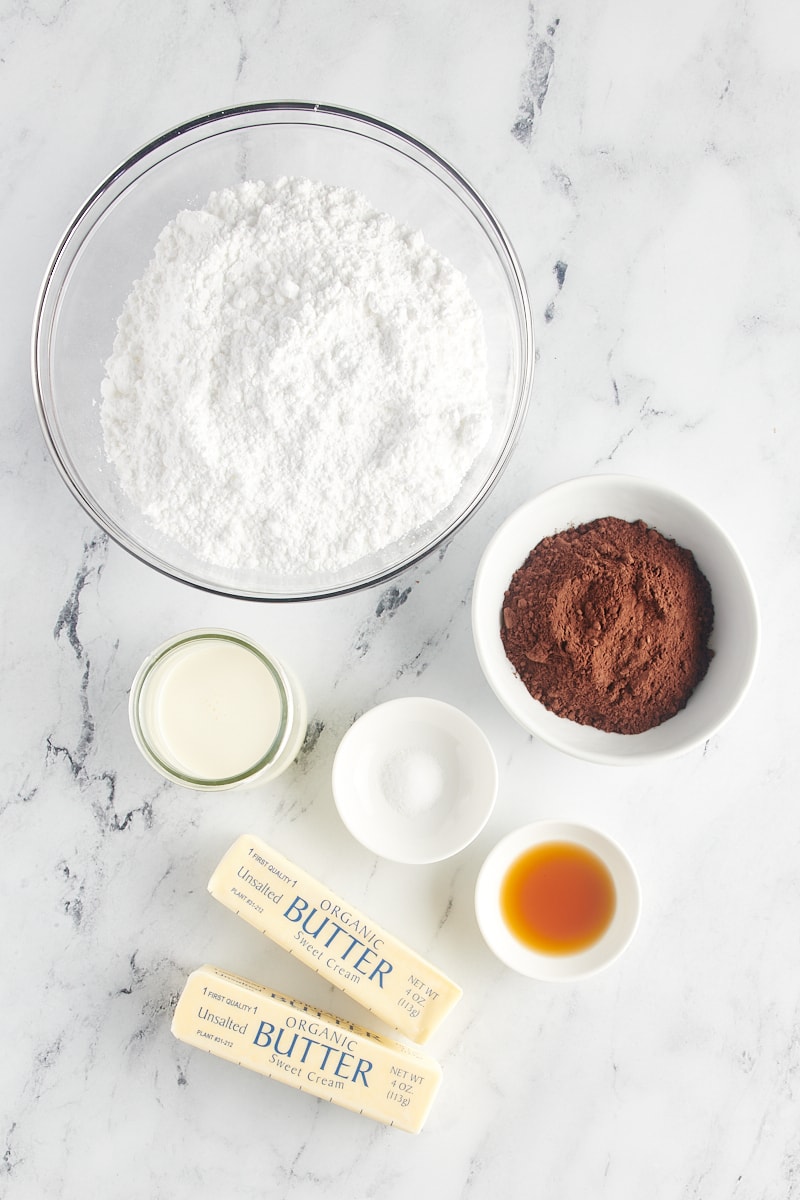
(297, 380)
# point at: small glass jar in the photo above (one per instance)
(211, 710)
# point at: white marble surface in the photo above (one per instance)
(644, 160)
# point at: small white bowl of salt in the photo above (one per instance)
(414, 780)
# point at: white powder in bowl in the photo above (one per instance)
(296, 381)
(413, 782)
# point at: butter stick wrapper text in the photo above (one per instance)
(336, 940)
(313, 1051)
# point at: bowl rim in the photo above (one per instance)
(543, 967)
(608, 755)
(309, 110)
(432, 709)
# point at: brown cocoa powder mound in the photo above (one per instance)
(608, 623)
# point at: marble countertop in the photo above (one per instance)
(643, 159)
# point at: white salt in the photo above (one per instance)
(413, 782)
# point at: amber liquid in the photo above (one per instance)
(558, 898)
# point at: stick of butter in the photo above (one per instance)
(310, 1050)
(337, 941)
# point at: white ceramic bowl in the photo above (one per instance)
(734, 638)
(556, 967)
(414, 780)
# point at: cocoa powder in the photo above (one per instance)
(608, 623)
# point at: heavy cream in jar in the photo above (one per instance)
(210, 709)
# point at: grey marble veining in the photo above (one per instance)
(644, 162)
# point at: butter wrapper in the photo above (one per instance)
(313, 1051)
(336, 940)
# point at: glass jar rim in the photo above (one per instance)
(170, 646)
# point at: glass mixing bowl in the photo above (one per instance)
(111, 240)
